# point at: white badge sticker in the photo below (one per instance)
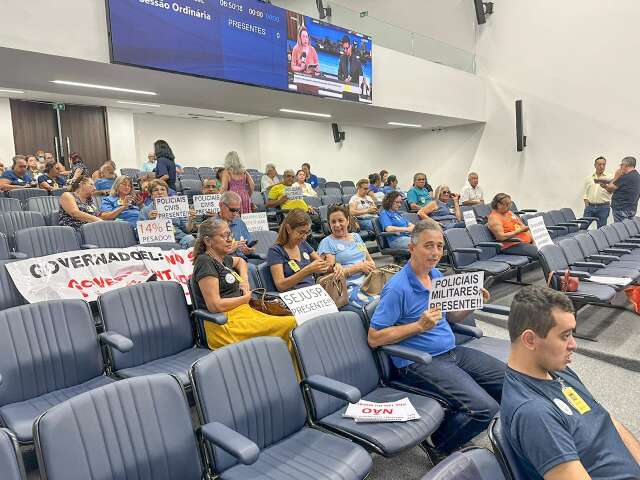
(340, 247)
(305, 255)
(229, 278)
(562, 406)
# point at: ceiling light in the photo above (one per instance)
(7, 90)
(138, 103)
(398, 124)
(231, 113)
(102, 87)
(300, 112)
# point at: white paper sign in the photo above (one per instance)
(457, 292)
(204, 204)
(256, 222)
(399, 411)
(309, 302)
(539, 232)
(172, 207)
(293, 193)
(622, 281)
(469, 217)
(154, 231)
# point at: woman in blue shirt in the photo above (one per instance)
(52, 178)
(439, 210)
(392, 220)
(348, 253)
(107, 175)
(291, 260)
(122, 204)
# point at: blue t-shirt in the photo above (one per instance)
(388, 189)
(24, 181)
(442, 212)
(278, 255)
(57, 182)
(130, 215)
(544, 429)
(389, 218)
(240, 232)
(104, 183)
(313, 181)
(164, 166)
(628, 192)
(347, 252)
(403, 300)
(419, 196)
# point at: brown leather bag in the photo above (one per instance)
(375, 280)
(269, 304)
(336, 288)
(568, 283)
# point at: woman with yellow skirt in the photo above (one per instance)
(221, 283)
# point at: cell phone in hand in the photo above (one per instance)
(252, 243)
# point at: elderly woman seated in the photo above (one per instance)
(440, 211)
(77, 206)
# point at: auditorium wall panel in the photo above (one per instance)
(7, 146)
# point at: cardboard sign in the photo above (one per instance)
(256, 222)
(172, 207)
(469, 217)
(457, 292)
(293, 193)
(399, 411)
(539, 232)
(204, 204)
(309, 302)
(154, 231)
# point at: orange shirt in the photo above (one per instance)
(510, 222)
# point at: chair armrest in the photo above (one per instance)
(467, 250)
(232, 442)
(573, 273)
(496, 309)
(555, 228)
(87, 246)
(18, 255)
(626, 245)
(528, 210)
(334, 388)
(588, 265)
(0, 379)
(617, 251)
(469, 330)
(496, 245)
(388, 234)
(218, 318)
(117, 341)
(632, 240)
(589, 219)
(407, 353)
(603, 257)
(513, 240)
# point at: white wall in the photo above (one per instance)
(7, 145)
(122, 139)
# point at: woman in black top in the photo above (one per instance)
(222, 285)
(165, 163)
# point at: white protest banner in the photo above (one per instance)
(172, 207)
(539, 232)
(155, 231)
(174, 266)
(256, 222)
(204, 204)
(457, 292)
(309, 302)
(293, 193)
(469, 217)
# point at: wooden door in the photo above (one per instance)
(84, 131)
(34, 126)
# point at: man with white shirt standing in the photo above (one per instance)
(471, 193)
(597, 199)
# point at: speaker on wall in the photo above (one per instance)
(338, 136)
(482, 10)
(521, 138)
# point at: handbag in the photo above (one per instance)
(269, 304)
(568, 283)
(336, 288)
(633, 294)
(376, 279)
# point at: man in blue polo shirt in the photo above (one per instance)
(554, 425)
(468, 380)
(18, 176)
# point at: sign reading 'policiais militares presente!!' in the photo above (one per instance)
(457, 292)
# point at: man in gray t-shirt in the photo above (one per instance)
(551, 421)
(625, 187)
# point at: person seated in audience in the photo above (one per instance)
(18, 176)
(278, 199)
(270, 178)
(392, 220)
(222, 285)
(236, 179)
(375, 187)
(52, 178)
(1, 168)
(506, 225)
(166, 168)
(78, 168)
(41, 160)
(347, 253)
(209, 187)
(362, 205)
(77, 206)
(420, 194)
(439, 210)
(306, 188)
(107, 174)
(468, 380)
(182, 227)
(218, 180)
(99, 173)
(230, 210)
(391, 185)
(150, 164)
(384, 176)
(291, 260)
(556, 428)
(123, 203)
(471, 193)
(33, 166)
(311, 178)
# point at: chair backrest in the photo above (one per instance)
(319, 190)
(479, 232)
(322, 181)
(52, 218)
(5, 251)
(621, 230)
(11, 464)
(10, 204)
(44, 205)
(552, 259)
(41, 241)
(23, 194)
(349, 190)
(331, 199)
(568, 214)
(482, 210)
(9, 295)
(265, 239)
(191, 185)
(153, 315)
(558, 217)
(571, 250)
(206, 172)
(46, 346)
(467, 464)
(549, 222)
(333, 191)
(611, 234)
(112, 234)
(331, 185)
(377, 230)
(347, 183)
(507, 457)
(10, 222)
(525, 218)
(313, 202)
(586, 244)
(631, 227)
(335, 345)
(132, 173)
(164, 245)
(263, 402)
(411, 217)
(258, 200)
(346, 198)
(599, 239)
(265, 278)
(134, 428)
(190, 170)
(459, 238)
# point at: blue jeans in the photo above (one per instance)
(401, 242)
(620, 214)
(470, 382)
(601, 213)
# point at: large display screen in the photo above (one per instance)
(243, 41)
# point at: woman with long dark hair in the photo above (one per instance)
(165, 163)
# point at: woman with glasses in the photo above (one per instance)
(392, 221)
(291, 260)
(362, 205)
(182, 227)
(506, 225)
(440, 211)
(221, 284)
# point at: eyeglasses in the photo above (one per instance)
(155, 190)
(226, 236)
(232, 210)
(445, 192)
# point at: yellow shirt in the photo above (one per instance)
(593, 192)
(277, 191)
